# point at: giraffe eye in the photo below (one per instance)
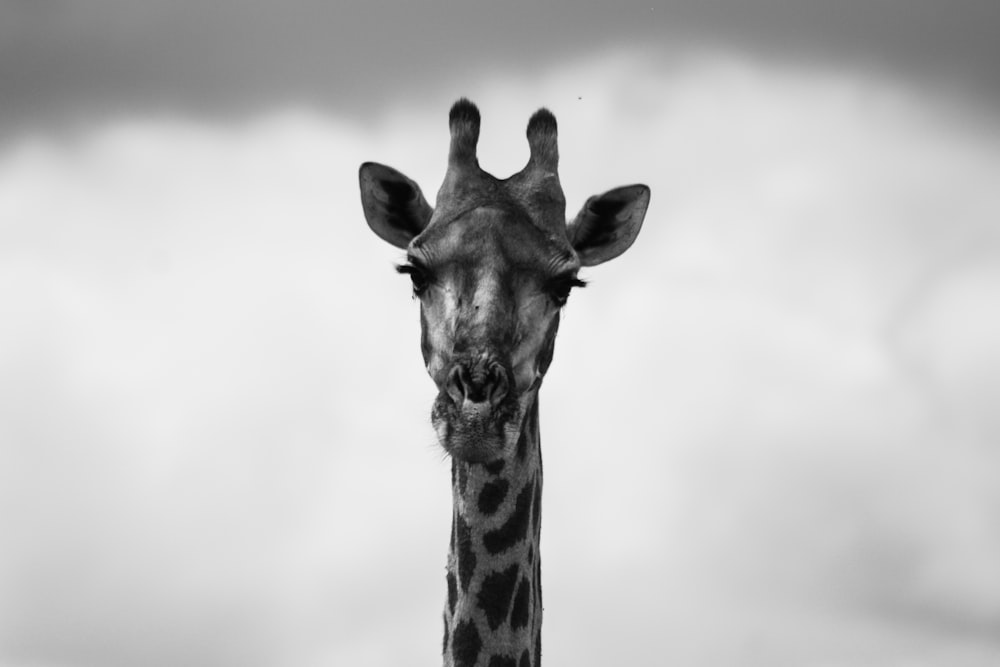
(418, 277)
(560, 287)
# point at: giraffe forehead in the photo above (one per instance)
(494, 241)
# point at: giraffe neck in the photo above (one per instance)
(493, 617)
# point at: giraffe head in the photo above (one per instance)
(492, 264)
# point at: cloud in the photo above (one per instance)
(213, 437)
(60, 62)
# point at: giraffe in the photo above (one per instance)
(492, 264)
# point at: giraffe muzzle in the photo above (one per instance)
(478, 382)
(476, 412)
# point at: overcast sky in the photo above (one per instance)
(63, 58)
(770, 428)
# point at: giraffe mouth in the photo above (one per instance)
(478, 432)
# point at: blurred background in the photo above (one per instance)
(771, 429)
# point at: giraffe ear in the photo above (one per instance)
(394, 206)
(607, 224)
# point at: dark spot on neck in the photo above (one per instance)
(492, 495)
(495, 594)
(521, 611)
(536, 511)
(515, 528)
(537, 582)
(452, 592)
(465, 554)
(466, 644)
(495, 467)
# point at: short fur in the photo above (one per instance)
(492, 264)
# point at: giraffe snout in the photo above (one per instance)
(478, 381)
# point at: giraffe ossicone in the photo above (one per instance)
(492, 263)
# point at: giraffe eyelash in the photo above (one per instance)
(560, 287)
(418, 276)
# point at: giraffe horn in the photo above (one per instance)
(542, 135)
(463, 120)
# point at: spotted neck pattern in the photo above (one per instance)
(493, 617)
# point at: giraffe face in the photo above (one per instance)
(492, 264)
(490, 285)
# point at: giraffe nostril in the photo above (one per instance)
(456, 384)
(498, 387)
(477, 383)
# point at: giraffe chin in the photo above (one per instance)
(478, 432)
